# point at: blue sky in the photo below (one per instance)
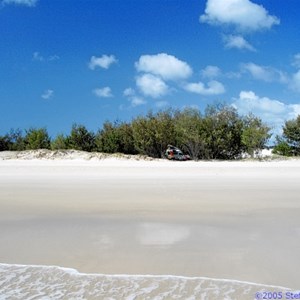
(87, 61)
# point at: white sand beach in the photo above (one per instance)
(227, 220)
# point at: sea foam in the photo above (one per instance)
(50, 282)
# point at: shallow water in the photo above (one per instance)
(51, 282)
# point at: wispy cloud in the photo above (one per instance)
(296, 61)
(104, 92)
(137, 101)
(129, 92)
(270, 74)
(294, 83)
(161, 104)
(38, 57)
(47, 94)
(53, 57)
(104, 62)
(244, 15)
(29, 3)
(238, 42)
(211, 72)
(133, 98)
(264, 73)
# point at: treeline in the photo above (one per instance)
(220, 133)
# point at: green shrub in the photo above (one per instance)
(255, 134)
(37, 139)
(59, 143)
(81, 139)
(282, 148)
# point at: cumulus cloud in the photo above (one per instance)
(213, 88)
(47, 94)
(104, 92)
(29, 3)
(264, 73)
(272, 111)
(238, 42)
(105, 61)
(242, 14)
(151, 85)
(168, 67)
(211, 72)
(250, 101)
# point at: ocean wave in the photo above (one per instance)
(33, 282)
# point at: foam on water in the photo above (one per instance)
(51, 282)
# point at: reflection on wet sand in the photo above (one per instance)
(161, 234)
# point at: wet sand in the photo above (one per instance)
(233, 220)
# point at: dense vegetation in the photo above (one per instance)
(219, 133)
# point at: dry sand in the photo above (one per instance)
(234, 220)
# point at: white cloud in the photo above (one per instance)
(238, 42)
(243, 14)
(104, 61)
(164, 65)
(210, 72)
(151, 85)
(264, 73)
(29, 3)
(250, 101)
(47, 94)
(129, 92)
(133, 98)
(103, 92)
(137, 101)
(213, 88)
(272, 111)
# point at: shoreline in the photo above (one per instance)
(61, 283)
(75, 272)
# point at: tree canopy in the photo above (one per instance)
(289, 143)
(219, 133)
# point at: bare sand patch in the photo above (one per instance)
(234, 220)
